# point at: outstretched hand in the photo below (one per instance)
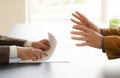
(82, 20)
(89, 36)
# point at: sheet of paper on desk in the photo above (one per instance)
(53, 43)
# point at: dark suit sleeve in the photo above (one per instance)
(4, 55)
(4, 40)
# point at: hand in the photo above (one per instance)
(91, 38)
(29, 53)
(43, 44)
(84, 21)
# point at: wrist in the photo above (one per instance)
(19, 50)
(99, 30)
(33, 44)
(100, 41)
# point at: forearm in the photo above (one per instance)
(112, 43)
(4, 40)
(111, 46)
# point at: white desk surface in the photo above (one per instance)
(68, 61)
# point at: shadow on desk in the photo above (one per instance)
(110, 72)
(11, 66)
(42, 70)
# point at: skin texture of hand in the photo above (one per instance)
(29, 53)
(84, 21)
(89, 36)
(42, 44)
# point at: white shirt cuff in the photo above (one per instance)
(13, 51)
(13, 54)
(27, 44)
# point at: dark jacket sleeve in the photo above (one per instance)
(110, 31)
(4, 40)
(4, 55)
(112, 42)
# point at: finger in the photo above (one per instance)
(33, 57)
(76, 16)
(85, 20)
(78, 33)
(77, 22)
(45, 41)
(38, 56)
(82, 44)
(43, 46)
(28, 57)
(79, 38)
(45, 54)
(79, 17)
(24, 58)
(81, 27)
(82, 18)
(39, 51)
(42, 53)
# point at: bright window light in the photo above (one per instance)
(42, 11)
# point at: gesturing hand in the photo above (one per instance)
(91, 37)
(84, 21)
